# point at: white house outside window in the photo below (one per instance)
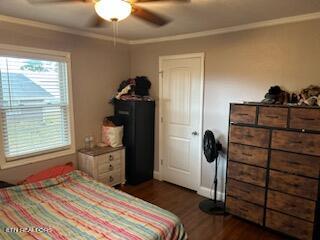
(36, 118)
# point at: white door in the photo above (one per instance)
(181, 93)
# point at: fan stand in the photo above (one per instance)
(213, 206)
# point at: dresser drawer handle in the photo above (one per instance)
(243, 209)
(290, 225)
(243, 114)
(247, 154)
(111, 179)
(294, 163)
(271, 116)
(295, 185)
(110, 157)
(248, 136)
(245, 191)
(111, 167)
(307, 119)
(296, 142)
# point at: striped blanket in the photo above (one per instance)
(77, 207)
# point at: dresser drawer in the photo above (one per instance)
(273, 117)
(295, 163)
(247, 154)
(243, 114)
(111, 178)
(258, 137)
(296, 185)
(291, 205)
(108, 167)
(246, 192)
(289, 225)
(246, 173)
(245, 210)
(296, 142)
(301, 118)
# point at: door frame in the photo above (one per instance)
(200, 55)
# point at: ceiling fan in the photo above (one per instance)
(117, 10)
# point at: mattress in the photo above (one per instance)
(75, 206)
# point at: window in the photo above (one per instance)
(35, 105)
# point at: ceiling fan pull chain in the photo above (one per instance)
(114, 22)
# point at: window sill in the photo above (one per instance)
(44, 157)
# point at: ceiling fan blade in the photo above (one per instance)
(57, 1)
(142, 1)
(97, 22)
(149, 16)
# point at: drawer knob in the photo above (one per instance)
(243, 209)
(110, 167)
(110, 157)
(307, 119)
(111, 179)
(248, 135)
(272, 117)
(247, 154)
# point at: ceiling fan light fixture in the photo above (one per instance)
(113, 10)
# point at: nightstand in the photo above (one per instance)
(105, 164)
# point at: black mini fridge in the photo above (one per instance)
(138, 120)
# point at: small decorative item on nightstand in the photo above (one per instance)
(105, 164)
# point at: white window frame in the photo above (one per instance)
(37, 53)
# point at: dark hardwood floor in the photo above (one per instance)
(199, 226)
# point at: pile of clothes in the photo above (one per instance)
(309, 96)
(134, 89)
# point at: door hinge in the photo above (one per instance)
(161, 119)
(161, 161)
(161, 74)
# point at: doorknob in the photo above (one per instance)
(195, 133)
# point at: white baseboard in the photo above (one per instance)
(156, 175)
(205, 192)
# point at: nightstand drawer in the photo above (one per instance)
(113, 156)
(105, 167)
(109, 158)
(111, 178)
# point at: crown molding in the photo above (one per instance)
(261, 24)
(69, 30)
(57, 28)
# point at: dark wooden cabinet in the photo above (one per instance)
(274, 167)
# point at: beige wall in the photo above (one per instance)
(240, 66)
(97, 69)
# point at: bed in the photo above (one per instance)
(75, 206)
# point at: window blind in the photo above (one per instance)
(34, 106)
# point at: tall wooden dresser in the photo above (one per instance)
(274, 167)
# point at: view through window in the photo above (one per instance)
(34, 106)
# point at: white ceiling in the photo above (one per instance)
(199, 15)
